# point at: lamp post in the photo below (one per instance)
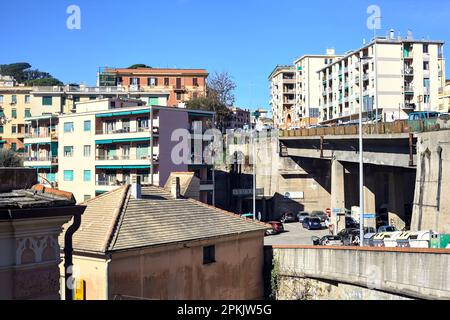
(361, 154)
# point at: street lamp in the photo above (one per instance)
(361, 158)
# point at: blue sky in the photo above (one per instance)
(247, 38)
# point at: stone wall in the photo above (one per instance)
(361, 273)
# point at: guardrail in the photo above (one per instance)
(401, 126)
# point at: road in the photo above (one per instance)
(294, 234)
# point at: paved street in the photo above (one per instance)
(294, 234)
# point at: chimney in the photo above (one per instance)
(392, 34)
(176, 188)
(136, 189)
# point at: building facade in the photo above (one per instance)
(239, 119)
(444, 98)
(307, 90)
(108, 142)
(181, 84)
(282, 96)
(395, 75)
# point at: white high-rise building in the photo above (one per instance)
(398, 76)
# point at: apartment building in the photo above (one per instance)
(444, 98)
(41, 147)
(15, 106)
(307, 90)
(397, 75)
(107, 143)
(181, 84)
(239, 119)
(18, 103)
(282, 96)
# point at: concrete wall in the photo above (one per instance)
(431, 209)
(17, 178)
(413, 273)
(177, 272)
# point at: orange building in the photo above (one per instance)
(182, 84)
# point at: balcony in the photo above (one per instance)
(44, 135)
(40, 161)
(125, 130)
(408, 71)
(179, 88)
(290, 80)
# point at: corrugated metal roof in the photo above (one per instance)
(156, 219)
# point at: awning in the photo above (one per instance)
(40, 143)
(43, 167)
(110, 141)
(124, 167)
(122, 113)
(199, 114)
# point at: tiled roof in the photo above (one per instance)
(36, 197)
(117, 221)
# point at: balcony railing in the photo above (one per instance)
(123, 130)
(45, 134)
(124, 157)
(41, 158)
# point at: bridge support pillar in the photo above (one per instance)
(338, 193)
(369, 199)
(396, 200)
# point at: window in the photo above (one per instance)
(68, 151)
(195, 82)
(68, 127)
(87, 125)
(426, 65)
(68, 175)
(87, 175)
(14, 99)
(152, 82)
(87, 197)
(425, 48)
(76, 99)
(14, 129)
(13, 146)
(112, 104)
(178, 96)
(92, 98)
(1, 129)
(47, 101)
(1, 98)
(209, 254)
(166, 82)
(27, 113)
(27, 99)
(87, 151)
(14, 113)
(134, 81)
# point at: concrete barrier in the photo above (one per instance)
(404, 272)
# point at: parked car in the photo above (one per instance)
(277, 228)
(350, 236)
(288, 217)
(328, 240)
(311, 223)
(350, 223)
(302, 215)
(319, 214)
(387, 229)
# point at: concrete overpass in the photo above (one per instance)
(307, 272)
(405, 172)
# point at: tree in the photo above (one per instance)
(219, 98)
(9, 158)
(139, 66)
(44, 82)
(22, 73)
(222, 85)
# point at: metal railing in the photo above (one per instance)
(40, 158)
(45, 134)
(397, 127)
(123, 157)
(123, 130)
